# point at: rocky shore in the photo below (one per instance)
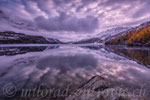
(97, 88)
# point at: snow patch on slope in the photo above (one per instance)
(110, 32)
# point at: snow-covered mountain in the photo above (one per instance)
(103, 36)
(15, 30)
(110, 32)
(9, 37)
(137, 36)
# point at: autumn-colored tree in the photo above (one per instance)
(137, 37)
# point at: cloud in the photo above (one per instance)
(81, 16)
(33, 8)
(67, 62)
(65, 22)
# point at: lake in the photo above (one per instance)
(66, 67)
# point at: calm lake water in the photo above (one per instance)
(69, 66)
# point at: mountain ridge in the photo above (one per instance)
(9, 37)
(102, 36)
(136, 36)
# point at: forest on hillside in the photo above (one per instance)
(139, 37)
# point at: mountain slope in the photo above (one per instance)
(138, 36)
(107, 35)
(12, 31)
(103, 36)
(9, 37)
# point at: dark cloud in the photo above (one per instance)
(61, 2)
(67, 23)
(79, 8)
(81, 16)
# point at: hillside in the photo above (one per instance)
(138, 36)
(102, 36)
(111, 33)
(9, 37)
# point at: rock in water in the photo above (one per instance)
(97, 88)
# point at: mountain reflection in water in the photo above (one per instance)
(57, 67)
(142, 55)
(9, 51)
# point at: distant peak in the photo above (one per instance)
(116, 29)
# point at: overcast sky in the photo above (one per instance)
(75, 18)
